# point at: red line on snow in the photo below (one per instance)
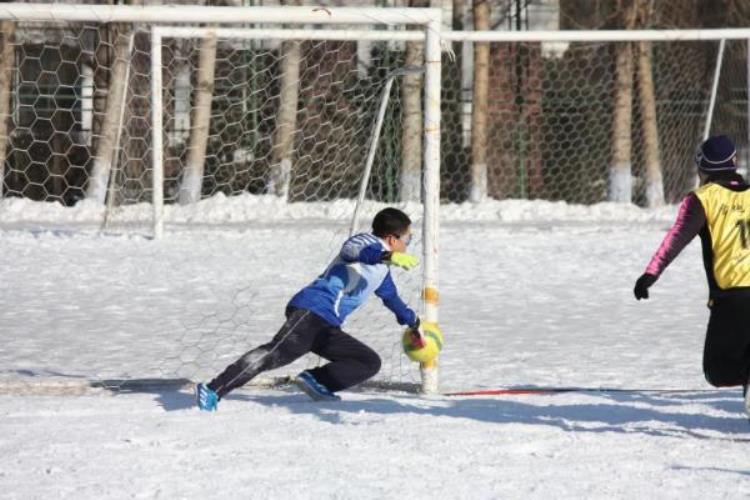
(558, 390)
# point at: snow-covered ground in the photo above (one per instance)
(532, 294)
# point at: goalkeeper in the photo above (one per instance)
(718, 211)
(315, 314)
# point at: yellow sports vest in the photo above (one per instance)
(728, 220)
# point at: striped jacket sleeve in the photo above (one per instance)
(389, 295)
(690, 220)
(364, 248)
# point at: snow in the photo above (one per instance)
(532, 294)
(269, 208)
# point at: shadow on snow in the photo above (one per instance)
(636, 412)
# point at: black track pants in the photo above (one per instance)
(350, 361)
(726, 356)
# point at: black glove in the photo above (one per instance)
(415, 334)
(642, 285)
(417, 323)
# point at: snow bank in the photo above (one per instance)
(244, 208)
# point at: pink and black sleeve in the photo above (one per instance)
(690, 220)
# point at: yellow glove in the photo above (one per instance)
(403, 260)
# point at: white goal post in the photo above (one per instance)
(429, 374)
(431, 182)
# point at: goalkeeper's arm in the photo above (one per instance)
(389, 295)
(368, 249)
(400, 259)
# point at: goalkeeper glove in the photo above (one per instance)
(401, 259)
(643, 284)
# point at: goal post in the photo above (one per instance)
(431, 70)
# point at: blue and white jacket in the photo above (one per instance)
(353, 275)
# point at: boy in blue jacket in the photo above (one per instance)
(315, 314)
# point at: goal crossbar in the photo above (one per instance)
(154, 14)
(674, 35)
(290, 34)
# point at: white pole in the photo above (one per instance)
(157, 148)
(431, 236)
(371, 154)
(456, 36)
(219, 15)
(293, 34)
(598, 35)
(714, 89)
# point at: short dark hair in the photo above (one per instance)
(390, 221)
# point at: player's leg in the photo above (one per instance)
(350, 361)
(294, 339)
(726, 355)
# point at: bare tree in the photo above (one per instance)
(411, 134)
(456, 73)
(192, 179)
(620, 180)
(651, 153)
(282, 153)
(478, 187)
(7, 53)
(111, 119)
(200, 120)
(286, 121)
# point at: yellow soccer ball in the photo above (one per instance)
(433, 340)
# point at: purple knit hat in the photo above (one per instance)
(716, 154)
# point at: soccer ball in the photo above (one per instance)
(433, 343)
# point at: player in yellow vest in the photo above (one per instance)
(718, 211)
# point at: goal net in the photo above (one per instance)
(586, 121)
(261, 130)
(292, 125)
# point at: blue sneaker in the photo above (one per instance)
(205, 398)
(317, 391)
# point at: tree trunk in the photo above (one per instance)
(192, 179)
(7, 53)
(651, 153)
(101, 65)
(176, 82)
(478, 187)
(286, 123)
(650, 129)
(620, 178)
(103, 156)
(411, 135)
(454, 185)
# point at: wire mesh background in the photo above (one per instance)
(549, 116)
